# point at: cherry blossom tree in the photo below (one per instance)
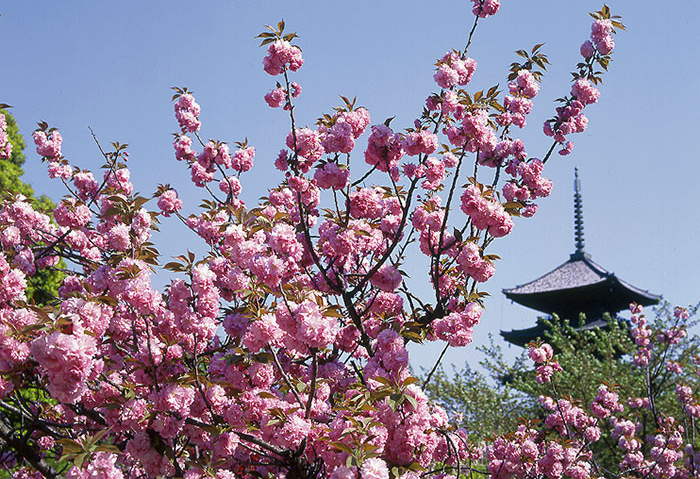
(282, 351)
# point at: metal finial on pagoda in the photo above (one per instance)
(578, 214)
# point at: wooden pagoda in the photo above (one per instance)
(577, 286)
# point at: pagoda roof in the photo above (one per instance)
(579, 286)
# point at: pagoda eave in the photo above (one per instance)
(607, 296)
(521, 337)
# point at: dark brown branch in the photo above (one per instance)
(26, 452)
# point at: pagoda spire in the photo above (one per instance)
(578, 214)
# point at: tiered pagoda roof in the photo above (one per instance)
(577, 286)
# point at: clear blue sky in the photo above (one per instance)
(110, 65)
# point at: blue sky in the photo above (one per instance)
(109, 65)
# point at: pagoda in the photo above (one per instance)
(577, 286)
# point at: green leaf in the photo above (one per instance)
(383, 380)
(301, 386)
(410, 380)
(97, 436)
(70, 446)
(412, 400)
(341, 446)
(618, 24)
(108, 448)
(80, 459)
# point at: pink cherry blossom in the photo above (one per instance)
(280, 56)
(187, 113)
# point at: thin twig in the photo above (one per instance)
(435, 366)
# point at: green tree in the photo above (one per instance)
(42, 287)
(605, 356)
(486, 405)
(589, 358)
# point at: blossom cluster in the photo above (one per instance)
(346, 127)
(601, 37)
(332, 176)
(546, 366)
(474, 134)
(528, 454)
(384, 149)
(472, 263)
(48, 145)
(485, 8)
(519, 103)
(454, 70)
(485, 212)
(282, 55)
(570, 420)
(216, 157)
(280, 96)
(457, 328)
(169, 203)
(527, 184)
(187, 113)
(641, 333)
(68, 361)
(569, 117)
(606, 403)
